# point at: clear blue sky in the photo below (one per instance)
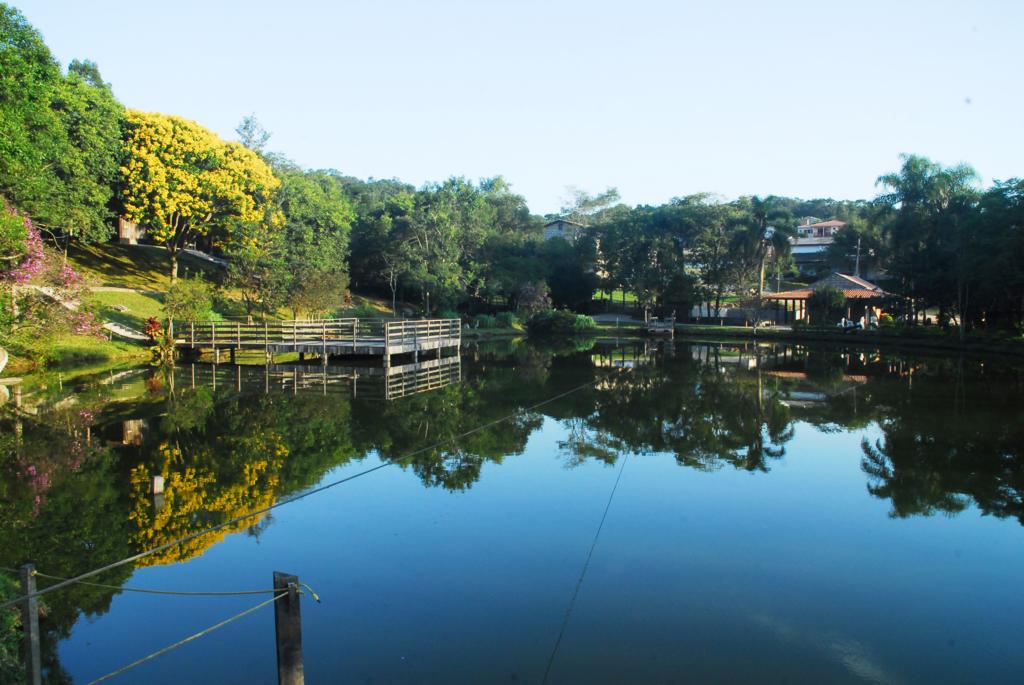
(659, 99)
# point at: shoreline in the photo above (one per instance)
(878, 338)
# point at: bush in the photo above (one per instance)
(507, 320)
(189, 299)
(826, 306)
(484, 321)
(886, 321)
(561, 322)
(534, 299)
(447, 314)
(365, 311)
(10, 634)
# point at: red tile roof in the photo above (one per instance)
(852, 287)
(831, 223)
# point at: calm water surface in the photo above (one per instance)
(781, 515)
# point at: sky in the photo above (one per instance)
(657, 99)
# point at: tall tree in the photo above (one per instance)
(59, 135)
(767, 228)
(183, 182)
(926, 227)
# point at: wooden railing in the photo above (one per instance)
(355, 332)
(412, 332)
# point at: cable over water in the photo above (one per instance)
(190, 638)
(327, 486)
(583, 573)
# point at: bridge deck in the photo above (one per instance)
(328, 337)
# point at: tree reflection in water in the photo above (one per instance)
(78, 458)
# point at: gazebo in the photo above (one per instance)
(861, 297)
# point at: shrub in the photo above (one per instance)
(152, 329)
(189, 299)
(484, 321)
(560, 322)
(826, 306)
(365, 311)
(534, 298)
(886, 321)
(447, 314)
(507, 320)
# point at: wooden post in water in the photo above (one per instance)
(288, 629)
(30, 625)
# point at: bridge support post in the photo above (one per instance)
(288, 630)
(30, 624)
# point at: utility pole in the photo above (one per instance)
(856, 268)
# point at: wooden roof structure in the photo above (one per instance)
(852, 287)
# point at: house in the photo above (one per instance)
(810, 245)
(818, 228)
(564, 229)
(129, 233)
(862, 298)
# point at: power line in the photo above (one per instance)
(190, 638)
(259, 512)
(583, 573)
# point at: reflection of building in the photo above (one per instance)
(563, 228)
(810, 246)
(133, 431)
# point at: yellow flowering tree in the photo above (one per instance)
(181, 181)
(198, 495)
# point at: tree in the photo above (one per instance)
(825, 305)
(927, 229)
(713, 256)
(994, 256)
(92, 120)
(317, 222)
(31, 135)
(859, 248)
(182, 182)
(59, 136)
(261, 273)
(188, 299)
(766, 230)
(583, 208)
(534, 299)
(252, 135)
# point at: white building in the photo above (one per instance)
(811, 243)
(563, 228)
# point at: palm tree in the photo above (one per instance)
(766, 230)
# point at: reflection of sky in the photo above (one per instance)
(726, 576)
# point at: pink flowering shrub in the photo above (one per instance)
(41, 292)
(33, 262)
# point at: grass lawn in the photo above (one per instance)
(616, 296)
(73, 350)
(143, 267)
(127, 308)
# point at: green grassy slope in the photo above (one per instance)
(143, 267)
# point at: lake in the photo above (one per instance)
(594, 513)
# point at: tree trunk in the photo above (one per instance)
(174, 266)
(760, 279)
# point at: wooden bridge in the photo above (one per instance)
(367, 382)
(325, 337)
